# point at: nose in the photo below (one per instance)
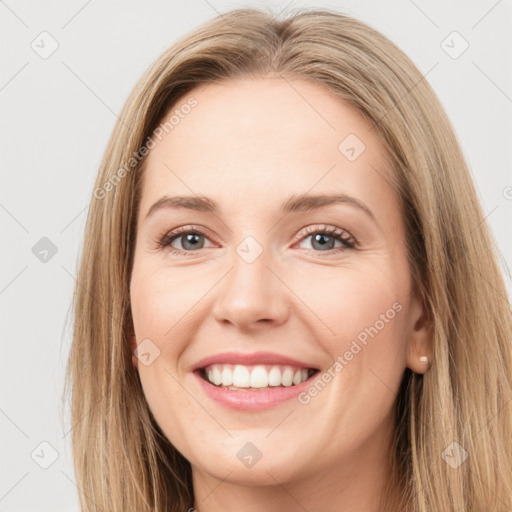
(252, 296)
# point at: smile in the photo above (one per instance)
(252, 381)
(255, 377)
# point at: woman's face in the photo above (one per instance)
(260, 269)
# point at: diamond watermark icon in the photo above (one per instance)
(249, 249)
(351, 147)
(44, 455)
(44, 250)
(454, 45)
(44, 45)
(249, 454)
(454, 455)
(146, 352)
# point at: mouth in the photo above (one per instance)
(255, 381)
(260, 377)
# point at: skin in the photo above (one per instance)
(249, 145)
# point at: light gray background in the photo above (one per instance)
(57, 114)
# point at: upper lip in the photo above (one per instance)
(250, 359)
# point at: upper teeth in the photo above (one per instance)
(259, 376)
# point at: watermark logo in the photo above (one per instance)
(249, 249)
(146, 352)
(344, 359)
(137, 156)
(44, 45)
(249, 455)
(44, 455)
(454, 45)
(351, 147)
(454, 455)
(44, 250)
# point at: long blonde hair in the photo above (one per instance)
(122, 459)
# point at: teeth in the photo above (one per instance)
(227, 376)
(287, 377)
(241, 377)
(255, 377)
(259, 377)
(274, 376)
(217, 378)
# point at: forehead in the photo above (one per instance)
(260, 138)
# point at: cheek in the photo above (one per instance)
(350, 305)
(161, 304)
(360, 326)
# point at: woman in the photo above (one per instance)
(287, 297)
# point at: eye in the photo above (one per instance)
(323, 239)
(191, 238)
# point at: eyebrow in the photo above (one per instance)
(296, 203)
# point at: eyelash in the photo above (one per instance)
(347, 240)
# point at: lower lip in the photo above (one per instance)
(252, 400)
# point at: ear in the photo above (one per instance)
(419, 334)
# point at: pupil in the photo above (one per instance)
(190, 239)
(321, 239)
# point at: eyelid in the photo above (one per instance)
(171, 235)
(350, 242)
(325, 228)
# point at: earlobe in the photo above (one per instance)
(420, 337)
(427, 362)
(418, 361)
(421, 365)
